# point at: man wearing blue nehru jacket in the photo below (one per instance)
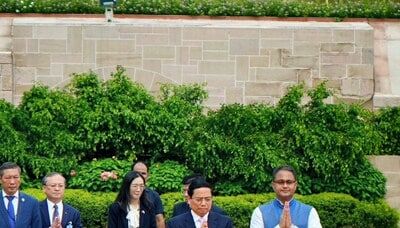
(284, 211)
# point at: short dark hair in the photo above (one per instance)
(189, 178)
(52, 174)
(198, 183)
(286, 168)
(137, 162)
(8, 165)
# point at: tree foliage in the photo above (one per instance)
(236, 146)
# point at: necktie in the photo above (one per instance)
(55, 213)
(10, 210)
(201, 221)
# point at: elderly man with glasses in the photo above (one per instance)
(54, 212)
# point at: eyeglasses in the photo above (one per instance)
(200, 199)
(283, 182)
(141, 186)
(55, 185)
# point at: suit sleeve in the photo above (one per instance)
(175, 211)
(229, 224)
(77, 220)
(112, 221)
(36, 218)
(153, 222)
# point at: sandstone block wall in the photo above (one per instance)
(240, 60)
(389, 165)
(6, 80)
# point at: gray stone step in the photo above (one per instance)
(394, 202)
(393, 178)
(392, 191)
(387, 163)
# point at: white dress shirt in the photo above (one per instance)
(198, 221)
(14, 202)
(133, 217)
(50, 207)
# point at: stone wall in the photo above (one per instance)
(241, 61)
(389, 165)
(6, 88)
(386, 62)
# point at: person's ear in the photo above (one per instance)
(273, 186)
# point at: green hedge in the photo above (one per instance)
(298, 8)
(80, 128)
(335, 210)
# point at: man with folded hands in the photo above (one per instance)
(285, 211)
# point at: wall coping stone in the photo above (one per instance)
(206, 23)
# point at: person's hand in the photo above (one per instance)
(285, 218)
(56, 223)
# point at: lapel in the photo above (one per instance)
(141, 218)
(21, 208)
(66, 215)
(2, 206)
(45, 212)
(3, 209)
(189, 222)
(212, 220)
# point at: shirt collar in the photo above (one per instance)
(51, 204)
(196, 217)
(16, 194)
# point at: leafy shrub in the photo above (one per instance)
(104, 175)
(13, 143)
(170, 119)
(167, 176)
(299, 8)
(228, 189)
(112, 115)
(119, 117)
(325, 143)
(335, 210)
(387, 123)
(45, 118)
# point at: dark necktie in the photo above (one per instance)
(10, 210)
(55, 213)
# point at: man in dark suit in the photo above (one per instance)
(53, 211)
(17, 210)
(200, 216)
(183, 207)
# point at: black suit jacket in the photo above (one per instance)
(117, 217)
(70, 216)
(215, 220)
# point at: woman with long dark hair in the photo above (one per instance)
(131, 208)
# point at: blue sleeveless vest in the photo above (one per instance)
(299, 213)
